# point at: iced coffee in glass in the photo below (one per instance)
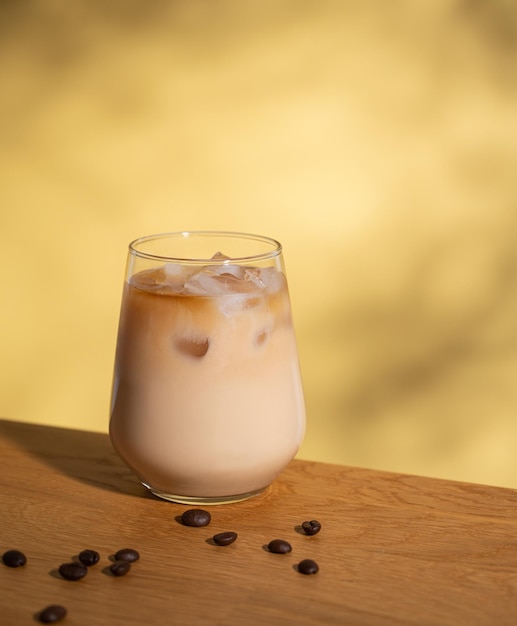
(207, 402)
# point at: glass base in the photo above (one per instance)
(205, 501)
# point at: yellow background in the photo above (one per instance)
(377, 140)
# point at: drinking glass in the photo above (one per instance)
(207, 403)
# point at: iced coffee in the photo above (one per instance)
(207, 402)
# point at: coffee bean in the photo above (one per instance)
(73, 571)
(127, 554)
(196, 517)
(308, 566)
(312, 527)
(89, 557)
(52, 614)
(120, 568)
(225, 539)
(279, 546)
(14, 558)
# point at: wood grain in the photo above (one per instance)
(393, 549)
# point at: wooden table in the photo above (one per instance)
(393, 549)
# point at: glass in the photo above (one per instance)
(207, 403)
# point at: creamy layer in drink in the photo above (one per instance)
(207, 398)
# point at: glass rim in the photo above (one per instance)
(276, 246)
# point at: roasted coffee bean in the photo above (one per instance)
(14, 558)
(120, 568)
(308, 566)
(196, 517)
(127, 554)
(89, 557)
(279, 546)
(312, 527)
(52, 614)
(73, 571)
(224, 539)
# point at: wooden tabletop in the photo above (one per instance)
(393, 549)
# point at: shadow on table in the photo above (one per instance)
(84, 456)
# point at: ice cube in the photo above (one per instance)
(252, 275)
(261, 277)
(274, 280)
(233, 302)
(194, 286)
(174, 270)
(225, 278)
(230, 269)
(256, 276)
(174, 276)
(263, 336)
(192, 346)
(208, 284)
(219, 256)
(153, 280)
